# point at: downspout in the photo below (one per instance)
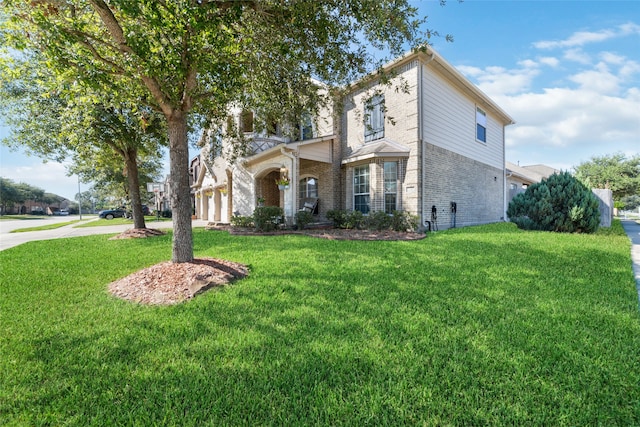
(293, 181)
(421, 159)
(504, 175)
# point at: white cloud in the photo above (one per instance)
(581, 38)
(576, 39)
(500, 80)
(549, 61)
(628, 67)
(600, 81)
(612, 58)
(577, 55)
(574, 119)
(590, 111)
(470, 71)
(528, 63)
(629, 28)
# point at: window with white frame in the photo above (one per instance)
(390, 187)
(308, 188)
(361, 197)
(374, 118)
(481, 125)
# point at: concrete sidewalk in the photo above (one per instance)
(632, 228)
(9, 240)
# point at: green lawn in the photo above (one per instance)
(149, 220)
(484, 325)
(45, 227)
(22, 217)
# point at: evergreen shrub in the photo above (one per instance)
(559, 203)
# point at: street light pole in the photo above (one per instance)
(79, 199)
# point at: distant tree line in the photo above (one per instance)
(615, 172)
(12, 194)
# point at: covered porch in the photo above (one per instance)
(308, 168)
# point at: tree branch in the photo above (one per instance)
(114, 28)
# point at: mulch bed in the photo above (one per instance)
(171, 283)
(324, 233)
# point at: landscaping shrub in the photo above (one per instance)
(378, 220)
(403, 221)
(303, 218)
(339, 217)
(355, 220)
(559, 203)
(267, 218)
(166, 214)
(346, 219)
(242, 221)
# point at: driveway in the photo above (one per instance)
(9, 240)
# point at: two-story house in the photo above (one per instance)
(430, 143)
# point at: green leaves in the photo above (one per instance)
(559, 203)
(616, 172)
(193, 59)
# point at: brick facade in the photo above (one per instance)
(476, 188)
(429, 131)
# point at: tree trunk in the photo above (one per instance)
(131, 164)
(180, 188)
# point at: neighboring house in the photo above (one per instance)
(435, 150)
(521, 177)
(34, 207)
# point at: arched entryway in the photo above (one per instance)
(267, 189)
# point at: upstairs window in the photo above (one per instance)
(246, 121)
(215, 145)
(306, 127)
(374, 118)
(273, 128)
(481, 125)
(230, 125)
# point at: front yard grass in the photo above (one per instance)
(46, 227)
(483, 325)
(100, 222)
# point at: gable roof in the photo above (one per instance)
(429, 56)
(533, 173)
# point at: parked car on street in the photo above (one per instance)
(112, 213)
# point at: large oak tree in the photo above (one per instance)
(189, 59)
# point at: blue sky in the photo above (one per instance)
(568, 72)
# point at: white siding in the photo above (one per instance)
(324, 121)
(320, 151)
(449, 120)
